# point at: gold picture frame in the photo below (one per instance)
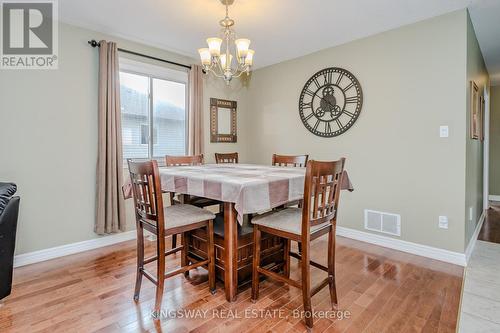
(475, 112)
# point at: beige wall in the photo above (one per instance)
(217, 88)
(476, 71)
(48, 140)
(413, 82)
(494, 141)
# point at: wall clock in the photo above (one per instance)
(330, 102)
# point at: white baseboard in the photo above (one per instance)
(473, 240)
(494, 197)
(456, 258)
(64, 250)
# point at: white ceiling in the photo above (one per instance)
(279, 29)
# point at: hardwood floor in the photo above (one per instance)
(382, 289)
(490, 232)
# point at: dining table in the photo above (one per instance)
(242, 189)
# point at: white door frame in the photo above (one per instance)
(486, 149)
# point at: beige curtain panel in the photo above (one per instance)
(110, 208)
(195, 116)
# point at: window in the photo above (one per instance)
(153, 104)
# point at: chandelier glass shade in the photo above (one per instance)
(227, 57)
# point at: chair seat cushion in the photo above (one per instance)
(181, 215)
(288, 220)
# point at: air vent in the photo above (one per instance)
(386, 223)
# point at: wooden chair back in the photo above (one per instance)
(146, 189)
(290, 160)
(184, 160)
(221, 158)
(321, 193)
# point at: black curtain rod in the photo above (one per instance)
(95, 43)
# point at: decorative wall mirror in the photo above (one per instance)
(222, 120)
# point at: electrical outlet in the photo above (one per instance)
(443, 222)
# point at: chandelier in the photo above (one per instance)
(224, 64)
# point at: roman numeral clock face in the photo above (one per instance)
(330, 102)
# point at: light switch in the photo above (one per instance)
(443, 131)
(443, 222)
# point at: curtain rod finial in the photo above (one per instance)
(93, 43)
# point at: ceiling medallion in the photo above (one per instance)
(224, 64)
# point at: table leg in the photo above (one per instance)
(231, 251)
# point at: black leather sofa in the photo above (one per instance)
(9, 210)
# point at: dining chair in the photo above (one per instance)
(221, 158)
(317, 217)
(163, 221)
(290, 160)
(188, 160)
(192, 200)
